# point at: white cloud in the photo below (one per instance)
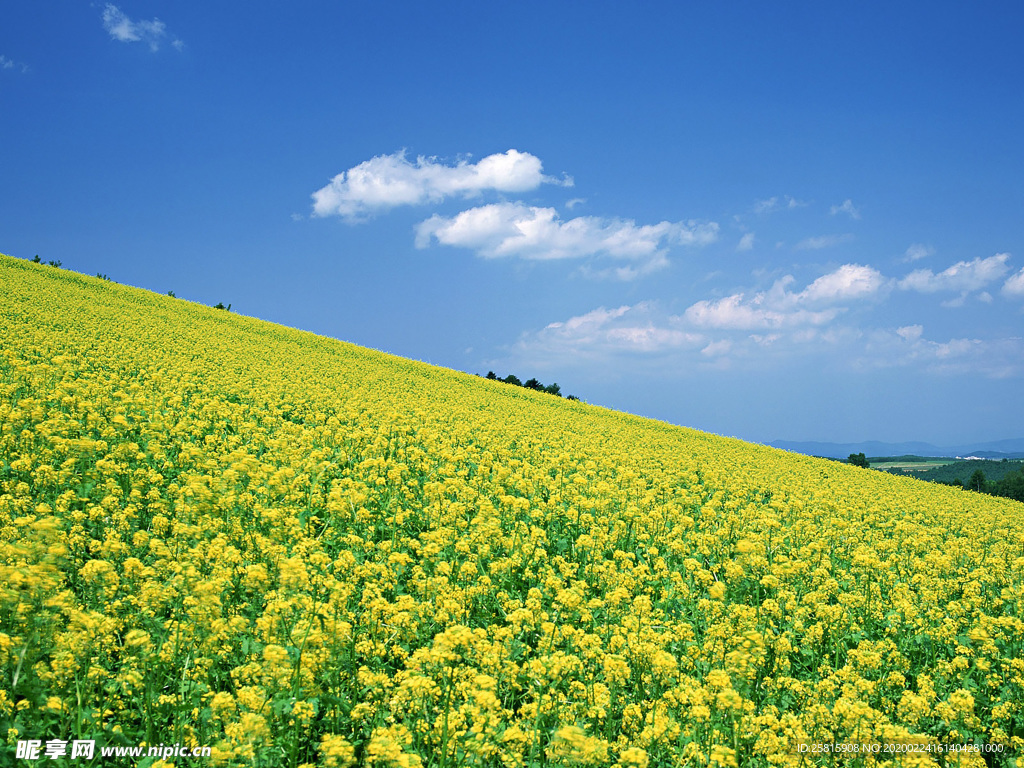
(910, 332)
(825, 241)
(918, 251)
(708, 335)
(847, 207)
(746, 242)
(387, 181)
(964, 276)
(956, 303)
(773, 204)
(125, 30)
(773, 329)
(602, 332)
(574, 202)
(528, 232)
(818, 304)
(594, 319)
(717, 348)
(7, 64)
(736, 313)
(850, 281)
(765, 339)
(1014, 285)
(992, 358)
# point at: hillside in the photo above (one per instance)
(220, 532)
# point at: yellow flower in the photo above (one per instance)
(222, 703)
(723, 756)
(633, 757)
(572, 745)
(194, 503)
(336, 752)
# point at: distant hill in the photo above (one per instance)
(998, 449)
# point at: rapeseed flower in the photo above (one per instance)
(303, 552)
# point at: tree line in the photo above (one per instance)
(551, 389)
(1011, 485)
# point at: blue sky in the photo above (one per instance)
(799, 221)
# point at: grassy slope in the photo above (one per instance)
(273, 542)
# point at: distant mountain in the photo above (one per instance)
(998, 449)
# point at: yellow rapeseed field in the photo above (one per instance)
(218, 531)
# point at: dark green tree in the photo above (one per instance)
(977, 481)
(858, 460)
(1011, 486)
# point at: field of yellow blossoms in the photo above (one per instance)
(218, 531)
